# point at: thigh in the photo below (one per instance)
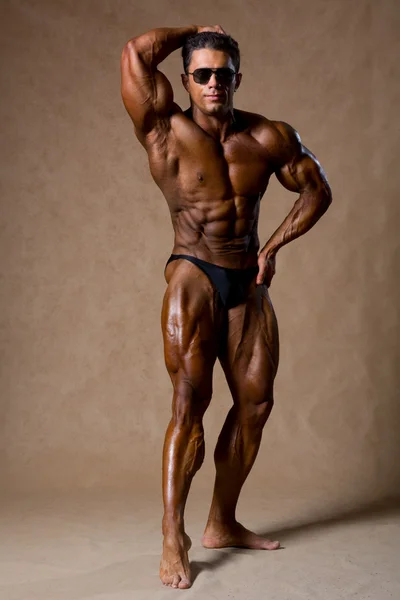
(190, 322)
(250, 354)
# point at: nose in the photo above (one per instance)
(213, 82)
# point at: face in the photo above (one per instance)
(214, 97)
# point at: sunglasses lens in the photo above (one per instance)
(223, 75)
(202, 75)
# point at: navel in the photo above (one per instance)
(200, 176)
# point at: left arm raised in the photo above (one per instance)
(298, 171)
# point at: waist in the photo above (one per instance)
(231, 254)
(247, 263)
(232, 273)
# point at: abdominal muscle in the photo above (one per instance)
(221, 232)
(213, 191)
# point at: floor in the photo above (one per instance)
(107, 547)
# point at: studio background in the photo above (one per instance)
(85, 234)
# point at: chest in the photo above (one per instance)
(192, 164)
(237, 167)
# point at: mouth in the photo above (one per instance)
(215, 96)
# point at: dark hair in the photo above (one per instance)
(213, 40)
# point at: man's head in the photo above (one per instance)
(214, 41)
(211, 90)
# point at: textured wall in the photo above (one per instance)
(85, 233)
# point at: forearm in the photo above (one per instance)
(307, 210)
(155, 45)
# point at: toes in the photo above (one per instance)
(167, 580)
(184, 584)
(272, 545)
(175, 581)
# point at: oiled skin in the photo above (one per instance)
(214, 189)
(213, 164)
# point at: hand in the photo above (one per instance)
(266, 266)
(215, 28)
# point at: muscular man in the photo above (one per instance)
(213, 163)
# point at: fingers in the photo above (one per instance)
(260, 278)
(262, 267)
(266, 270)
(215, 28)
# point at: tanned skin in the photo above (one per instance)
(213, 164)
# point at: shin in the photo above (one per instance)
(235, 453)
(183, 452)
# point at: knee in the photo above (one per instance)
(190, 403)
(256, 414)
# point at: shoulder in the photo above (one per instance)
(281, 141)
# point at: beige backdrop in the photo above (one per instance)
(85, 234)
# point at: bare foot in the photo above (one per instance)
(174, 566)
(218, 535)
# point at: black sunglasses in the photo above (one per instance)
(223, 75)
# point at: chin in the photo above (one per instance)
(216, 109)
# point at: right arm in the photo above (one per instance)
(146, 92)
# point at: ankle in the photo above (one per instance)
(173, 525)
(218, 520)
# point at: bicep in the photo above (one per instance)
(146, 92)
(299, 170)
(303, 172)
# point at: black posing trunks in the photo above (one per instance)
(231, 284)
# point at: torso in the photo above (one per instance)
(214, 189)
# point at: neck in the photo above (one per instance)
(218, 126)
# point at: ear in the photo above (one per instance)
(185, 82)
(238, 80)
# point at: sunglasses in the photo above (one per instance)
(224, 75)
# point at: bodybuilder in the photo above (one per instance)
(213, 163)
